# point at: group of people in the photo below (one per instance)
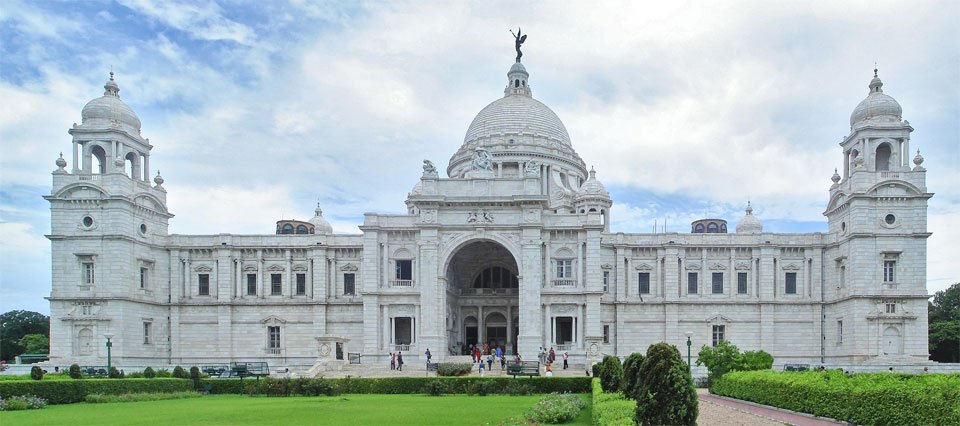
(396, 360)
(549, 357)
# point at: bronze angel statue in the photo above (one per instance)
(519, 38)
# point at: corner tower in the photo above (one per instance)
(108, 227)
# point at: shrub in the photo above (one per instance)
(481, 388)
(413, 385)
(163, 373)
(136, 375)
(755, 360)
(75, 371)
(316, 387)
(612, 408)
(665, 392)
(149, 373)
(631, 366)
(871, 399)
(517, 388)
(70, 391)
(596, 370)
(611, 374)
(180, 373)
(556, 408)
(24, 402)
(726, 357)
(276, 387)
(453, 368)
(435, 388)
(195, 376)
(36, 373)
(115, 374)
(99, 398)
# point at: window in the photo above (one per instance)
(286, 229)
(349, 284)
(698, 229)
(643, 280)
(839, 331)
(606, 334)
(301, 284)
(890, 308)
(717, 278)
(496, 277)
(88, 273)
(146, 333)
(606, 281)
(276, 287)
(888, 268)
(719, 333)
(691, 282)
(273, 337)
(565, 268)
(203, 284)
(741, 283)
(712, 228)
(143, 277)
(251, 284)
(404, 270)
(843, 276)
(85, 310)
(791, 283)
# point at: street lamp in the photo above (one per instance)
(689, 343)
(109, 345)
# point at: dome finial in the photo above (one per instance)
(749, 208)
(876, 84)
(111, 88)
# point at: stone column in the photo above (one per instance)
(261, 289)
(75, 154)
(531, 268)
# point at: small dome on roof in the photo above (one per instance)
(749, 224)
(322, 226)
(109, 109)
(877, 106)
(592, 188)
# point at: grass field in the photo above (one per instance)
(390, 410)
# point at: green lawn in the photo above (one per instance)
(339, 410)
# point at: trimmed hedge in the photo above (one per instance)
(611, 408)
(410, 385)
(70, 391)
(868, 399)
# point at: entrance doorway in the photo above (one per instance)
(470, 331)
(564, 330)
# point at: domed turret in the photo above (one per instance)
(321, 225)
(593, 198)
(749, 224)
(877, 107)
(109, 110)
(592, 189)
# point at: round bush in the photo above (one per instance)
(435, 388)
(149, 373)
(611, 374)
(36, 373)
(180, 373)
(195, 376)
(75, 372)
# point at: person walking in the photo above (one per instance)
(553, 356)
(565, 357)
(399, 361)
(490, 362)
(393, 361)
(427, 353)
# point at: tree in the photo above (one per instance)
(664, 392)
(16, 324)
(720, 359)
(611, 374)
(631, 366)
(35, 344)
(944, 320)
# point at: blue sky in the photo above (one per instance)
(256, 113)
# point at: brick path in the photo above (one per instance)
(722, 410)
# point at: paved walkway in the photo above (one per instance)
(719, 410)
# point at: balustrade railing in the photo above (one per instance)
(401, 283)
(564, 283)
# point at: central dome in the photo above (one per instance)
(516, 114)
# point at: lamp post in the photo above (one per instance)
(689, 343)
(109, 345)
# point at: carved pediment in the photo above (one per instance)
(791, 267)
(203, 268)
(250, 268)
(349, 267)
(276, 268)
(718, 319)
(299, 268)
(743, 266)
(644, 267)
(273, 320)
(718, 267)
(693, 265)
(606, 266)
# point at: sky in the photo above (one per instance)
(687, 109)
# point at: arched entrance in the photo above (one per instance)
(483, 297)
(891, 341)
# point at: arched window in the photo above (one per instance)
(496, 277)
(723, 228)
(713, 228)
(516, 83)
(132, 166)
(85, 342)
(286, 229)
(302, 229)
(883, 157)
(699, 228)
(98, 160)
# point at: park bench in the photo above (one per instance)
(524, 368)
(796, 367)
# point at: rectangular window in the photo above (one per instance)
(85, 310)
(143, 277)
(273, 339)
(891, 308)
(691, 282)
(606, 281)
(146, 333)
(888, 267)
(565, 269)
(404, 270)
(719, 333)
(741, 283)
(791, 283)
(251, 284)
(88, 273)
(643, 281)
(843, 276)
(301, 284)
(839, 331)
(717, 278)
(203, 284)
(606, 334)
(349, 284)
(276, 287)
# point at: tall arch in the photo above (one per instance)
(883, 157)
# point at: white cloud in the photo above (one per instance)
(202, 20)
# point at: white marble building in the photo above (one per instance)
(514, 246)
